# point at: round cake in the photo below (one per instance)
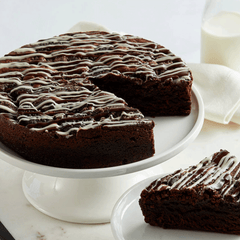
(77, 100)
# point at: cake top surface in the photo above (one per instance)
(95, 54)
(47, 86)
(219, 172)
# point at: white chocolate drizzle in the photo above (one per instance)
(219, 172)
(49, 88)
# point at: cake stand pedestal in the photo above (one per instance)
(87, 200)
(89, 195)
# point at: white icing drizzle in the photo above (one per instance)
(7, 109)
(24, 50)
(125, 48)
(14, 64)
(11, 80)
(49, 87)
(214, 172)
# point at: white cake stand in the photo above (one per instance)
(89, 195)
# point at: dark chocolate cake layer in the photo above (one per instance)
(65, 98)
(204, 197)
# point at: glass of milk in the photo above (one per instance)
(220, 33)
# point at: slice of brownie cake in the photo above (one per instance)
(204, 197)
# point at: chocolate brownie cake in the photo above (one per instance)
(63, 99)
(203, 197)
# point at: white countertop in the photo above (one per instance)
(174, 24)
(26, 223)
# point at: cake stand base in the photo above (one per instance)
(88, 200)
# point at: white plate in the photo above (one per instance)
(172, 135)
(127, 221)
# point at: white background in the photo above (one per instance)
(174, 24)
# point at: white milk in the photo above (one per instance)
(221, 40)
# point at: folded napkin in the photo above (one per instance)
(87, 26)
(219, 87)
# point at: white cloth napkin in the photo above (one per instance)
(87, 26)
(219, 87)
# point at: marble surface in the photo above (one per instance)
(174, 23)
(26, 223)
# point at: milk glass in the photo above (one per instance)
(220, 33)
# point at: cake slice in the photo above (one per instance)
(203, 197)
